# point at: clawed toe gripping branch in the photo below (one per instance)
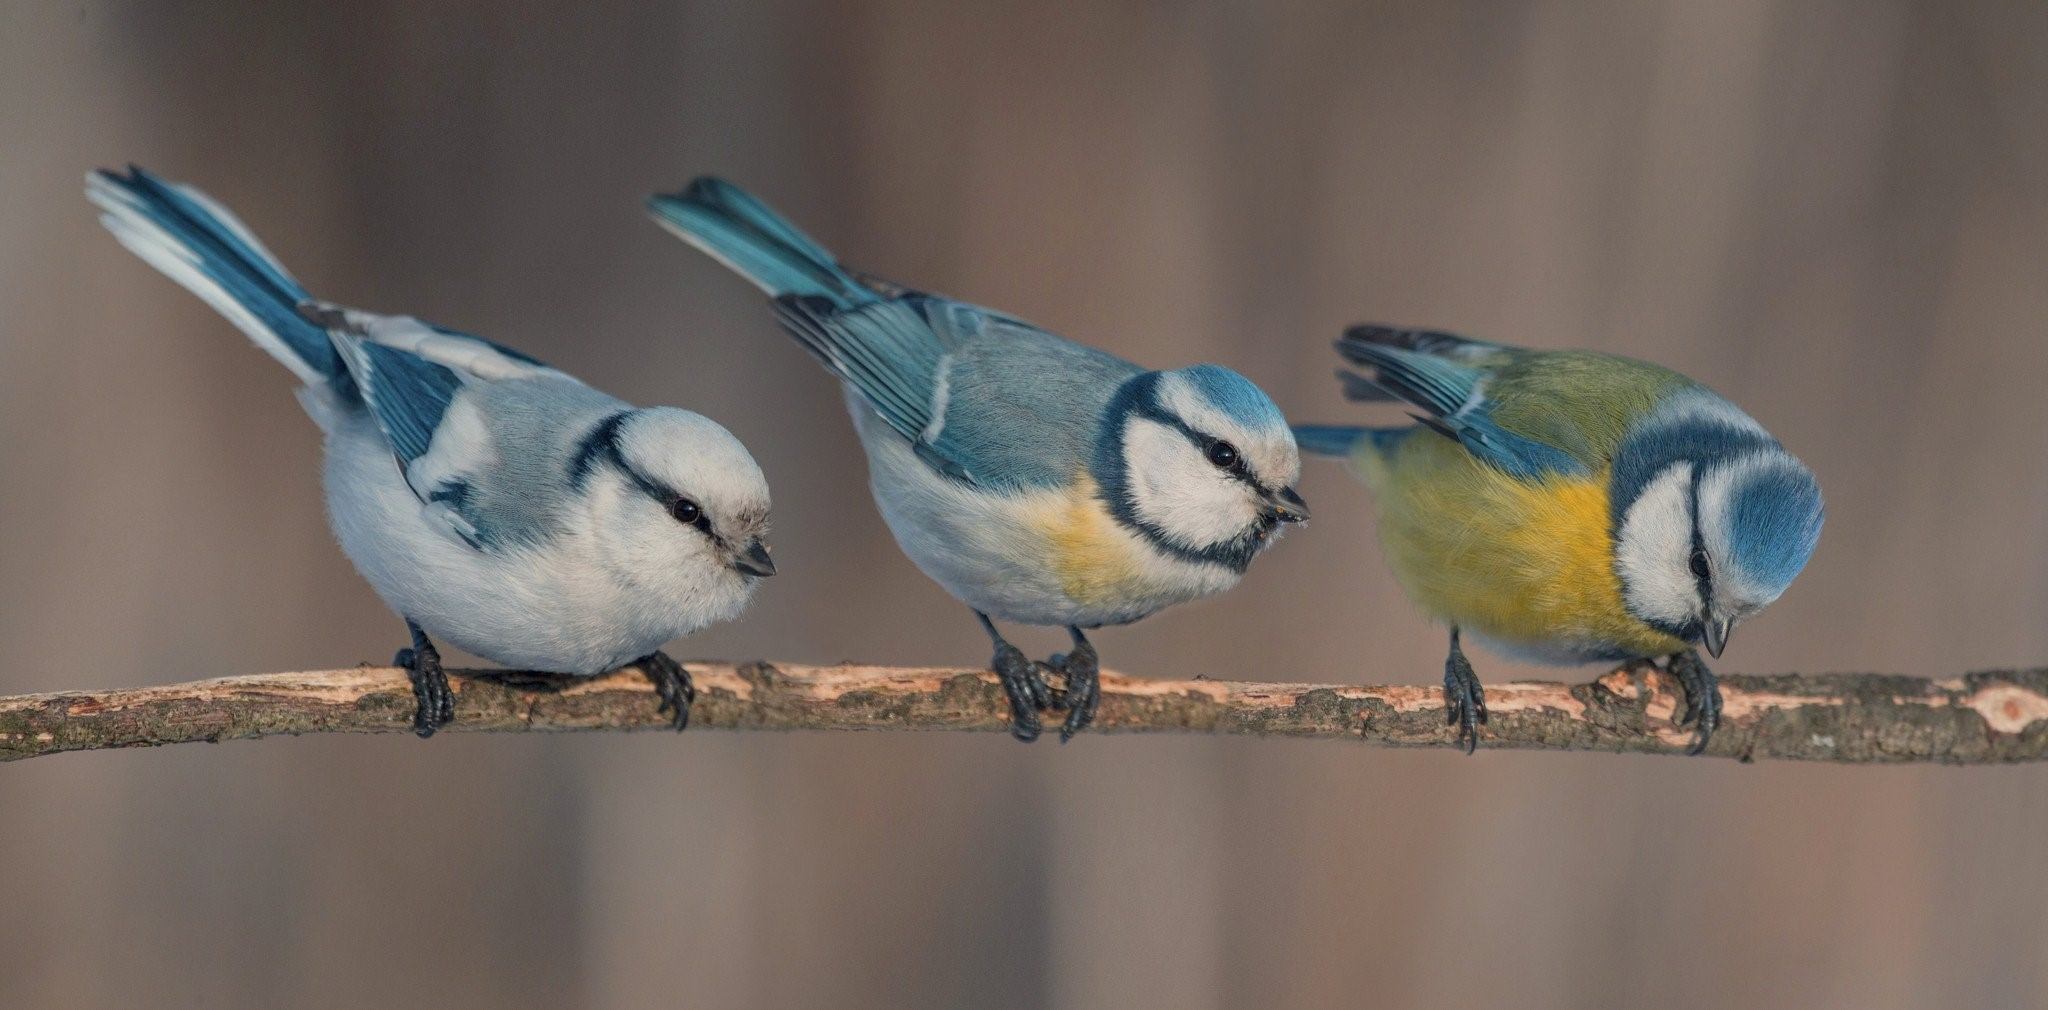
(1974, 719)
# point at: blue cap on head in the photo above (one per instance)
(1235, 395)
(1774, 515)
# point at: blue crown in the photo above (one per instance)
(1774, 521)
(1235, 395)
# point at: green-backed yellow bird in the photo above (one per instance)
(1572, 506)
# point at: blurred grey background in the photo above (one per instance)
(1836, 213)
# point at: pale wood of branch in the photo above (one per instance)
(1977, 718)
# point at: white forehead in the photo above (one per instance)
(696, 457)
(1270, 451)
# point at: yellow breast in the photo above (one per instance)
(1514, 560)
(1096, 561)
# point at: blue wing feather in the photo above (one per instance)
(885, 349)
(1445, 376)
(408, 394)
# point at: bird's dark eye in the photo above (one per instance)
(1222, 454)
(1699, 562)
(685, 511)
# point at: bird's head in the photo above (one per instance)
(1713, 519)
(1200, 462)
(677, 507)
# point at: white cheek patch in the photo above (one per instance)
(1653, 550)
(1178, 491)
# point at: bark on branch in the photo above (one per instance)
(1974, 719)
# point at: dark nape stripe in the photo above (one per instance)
(601, 443)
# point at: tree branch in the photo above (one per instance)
(1979, 718)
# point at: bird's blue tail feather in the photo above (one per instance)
(736, 229)
(1341, 440)
(1327, 440)
(201, 245)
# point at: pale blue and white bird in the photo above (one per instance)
(492, 501)
(1037, 480)
(1572, 506)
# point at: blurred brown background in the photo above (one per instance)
(1836, 213)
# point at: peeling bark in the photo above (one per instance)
(1975, 719)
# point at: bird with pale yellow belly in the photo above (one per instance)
(1039, 481)
(1571, 506)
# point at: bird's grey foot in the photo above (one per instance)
(1702, 696)
(672, 683)
(1083, 695)
(1464, 698)
(435, 700)
(1026, 689)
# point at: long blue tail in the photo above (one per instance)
(201, 245)
(734, 228)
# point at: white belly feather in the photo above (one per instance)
(550, 608)
(1052, 557)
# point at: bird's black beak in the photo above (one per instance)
(1715, 635)
(754, 561)
(1284, 506)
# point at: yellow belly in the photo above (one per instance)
(1526, 563)
(1096, 561)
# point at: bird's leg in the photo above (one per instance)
(1027, 690)
(1464, 699)
(1702, 695)
(422, 663)
(672, 683)
(1084, 684)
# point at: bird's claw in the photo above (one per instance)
(434, 699)
(1464, 700)
(1027, 691)
(1082, 669)
(1702, 697)
(672, 684)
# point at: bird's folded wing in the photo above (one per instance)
(1445, 377)
(894, 352)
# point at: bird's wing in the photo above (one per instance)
(433, 392)
(1024, 408)
(981, 397)
(1446, 378)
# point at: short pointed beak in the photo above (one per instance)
(754, 561)
(1716, 635)
(1286, 506)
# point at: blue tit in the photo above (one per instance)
(1037, 480)
(490, 500)
(1571, 506)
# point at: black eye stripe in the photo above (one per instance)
(668, 499)
(1702, 571)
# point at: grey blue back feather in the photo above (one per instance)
(955, 380)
